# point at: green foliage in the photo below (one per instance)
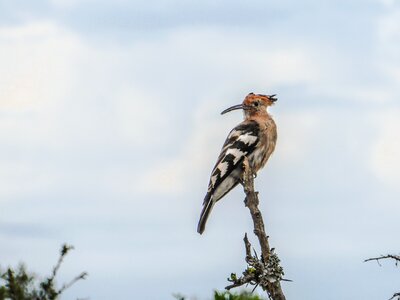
(243, 295)
(18, 284)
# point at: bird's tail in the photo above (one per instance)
(207, 207)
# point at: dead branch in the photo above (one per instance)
(65, 286)
(396, 258)
(266, 271)
(48, 284)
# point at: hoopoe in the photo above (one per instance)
(254, 138)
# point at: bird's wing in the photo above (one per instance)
(241, 141)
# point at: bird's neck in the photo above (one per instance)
(260, 117)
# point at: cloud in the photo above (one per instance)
(95, 123)
(388, 45)
(34, 75)
(389, 3)
(139, 118)
(175, 174)
(46, 111)
(230, 61)
(34, 62)
(297, 133)
(385, 160)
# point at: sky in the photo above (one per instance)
(110, 125)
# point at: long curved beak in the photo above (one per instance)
(238, 106)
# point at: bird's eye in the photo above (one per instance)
(256, 104)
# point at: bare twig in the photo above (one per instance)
(396, 258)
(48, 284)
(63, 252)
(265, 272)
(250, 274)
(65, 286)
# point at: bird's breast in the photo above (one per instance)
(265, 147)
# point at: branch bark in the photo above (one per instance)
(396, 259)
(266, 271)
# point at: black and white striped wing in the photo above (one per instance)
(241, 142)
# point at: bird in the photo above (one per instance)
(255, 138)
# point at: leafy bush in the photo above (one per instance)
(19, 284)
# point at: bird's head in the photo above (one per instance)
(254, 104)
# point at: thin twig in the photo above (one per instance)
(81, 276)
(396, 258)
(63, 252)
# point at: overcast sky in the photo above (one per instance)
(110, 126)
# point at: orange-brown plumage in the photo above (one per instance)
(254, 138)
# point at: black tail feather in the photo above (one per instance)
(207, 207)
